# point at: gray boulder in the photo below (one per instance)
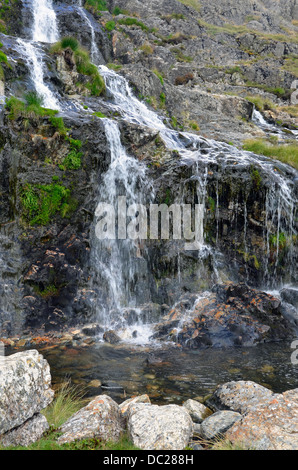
(100, 419)
(239, 396)
(27, 433)
(219, 423)
(198, 412)
(25, 388)
(153, 427)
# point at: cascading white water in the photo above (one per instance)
(35, 60)
(45, 27)
(94, 51)
(116, 260)
(280, 205)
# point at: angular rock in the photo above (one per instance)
(239, 396)
(270, 426)
(27, 433)
(100, 419)
(218, 423)
(125, 406)
(198, 412)
(153, 427)
(25, 388)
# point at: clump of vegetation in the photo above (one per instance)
(99, 115)
(147, 48)
(286, 153)
(159, 75)
(113, 66)
(256, 178)
(96, 84)
(41, 202)
(180, 56)
(184, 79)
(261, 103)
(117, 11)
(195, 4)
(96, 5)
(29, 108)
(110, 25)
(133, 22)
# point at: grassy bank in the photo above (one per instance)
(285, 153)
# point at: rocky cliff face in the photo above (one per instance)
(194, 68)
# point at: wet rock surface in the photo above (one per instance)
(231, 315)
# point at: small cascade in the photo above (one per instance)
(118, 260)
(35, 61)
(44, 29)
(272, 129)
(204, 153)
(95, 54)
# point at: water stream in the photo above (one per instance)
(120, 264)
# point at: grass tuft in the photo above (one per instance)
(286, 153)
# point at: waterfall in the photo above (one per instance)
(116, 261)
(45, 28)
(94, 51)
(35, 61)
(281, 203)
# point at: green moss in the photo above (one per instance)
(73, 161)
(256, 178)
(159, 75)
(99, 115)
(59, 125)
(97, 5)
(18, 108)
(110, 25)
(40, 203)
(133, 22)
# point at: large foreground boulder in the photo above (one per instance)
(270, 426)
(153, 427)
(25, 388)
(100, 419)
(269, 420)
(239, 396)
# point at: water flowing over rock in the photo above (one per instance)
(133, 146)
(25, 390)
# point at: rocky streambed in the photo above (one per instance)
(242, 413)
